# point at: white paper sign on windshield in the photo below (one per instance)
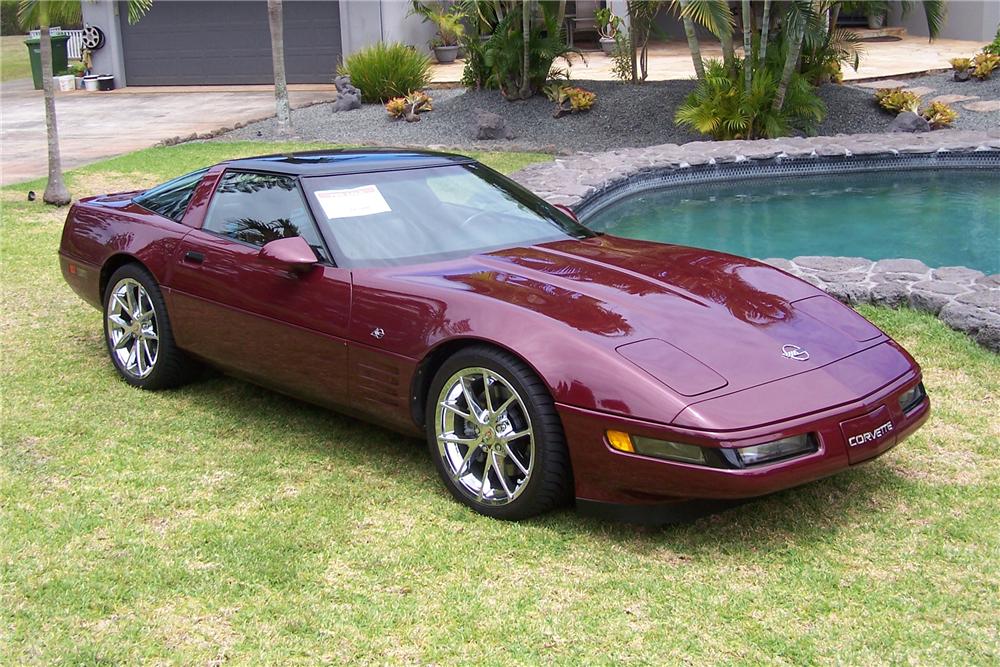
(352, 202)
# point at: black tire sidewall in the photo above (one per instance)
(531, 500)
(160, 376)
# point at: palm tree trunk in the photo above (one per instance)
(834, 16)
(633, 37)
(798, 31)
(55, 189)
(765, 25)
(747, 47)
(728, 52)
(276, 23)
(525, 91)
(692, 38)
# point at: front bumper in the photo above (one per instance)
(605, 476)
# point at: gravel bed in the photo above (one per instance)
(624, 116)
(944, 84)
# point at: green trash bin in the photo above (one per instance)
(60, 61)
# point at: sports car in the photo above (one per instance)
(541, 361)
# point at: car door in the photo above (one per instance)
(229, 306)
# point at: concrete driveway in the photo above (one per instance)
(94, 125)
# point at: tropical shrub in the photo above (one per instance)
(621, 57)
(504, 52)
(396, 107)
(569, 99)
(939, 115)
(983, 65)
(408, 107)
(896, 100)
(721, 108)
(824, 54)
(994, 46)
(960, 64)
(383, 71)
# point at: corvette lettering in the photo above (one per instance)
(869, 436)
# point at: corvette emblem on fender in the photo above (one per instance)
(794, 352)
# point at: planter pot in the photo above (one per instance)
(608, 45)
(876, 22)
(79, 83)
(105, 82)
(90, 82)
(445, 54)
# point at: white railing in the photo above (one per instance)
(74, 47)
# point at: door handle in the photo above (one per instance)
(194, 257)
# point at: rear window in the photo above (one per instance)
(171, 199)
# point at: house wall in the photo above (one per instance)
(974, 20)
(363, 23)
(111, 58)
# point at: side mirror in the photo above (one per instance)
(292, 254)
(568, 211)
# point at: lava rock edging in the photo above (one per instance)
(963, 298)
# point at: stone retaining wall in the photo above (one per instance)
(965, 299)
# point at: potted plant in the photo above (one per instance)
(608, 26)
(450, 28)
(876, 11)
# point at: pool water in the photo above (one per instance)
(944, 218)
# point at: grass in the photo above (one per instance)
(224, 523)
(14, 63)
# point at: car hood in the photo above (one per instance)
(694, 319)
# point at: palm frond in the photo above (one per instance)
(714, 15)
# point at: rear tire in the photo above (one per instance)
(138, 335)
(495, 436)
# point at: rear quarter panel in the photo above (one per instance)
(101, 232)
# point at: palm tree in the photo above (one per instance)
(525, 91)
(747, 47)
(44, 13)
(713, 15)
(799, 14)
(283, 110)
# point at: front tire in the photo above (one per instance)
(495, 436)
(137, 332)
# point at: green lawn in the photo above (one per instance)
(14, 62)
(224, 523)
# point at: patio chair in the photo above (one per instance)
(582, 18)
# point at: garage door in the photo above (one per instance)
(207, 42)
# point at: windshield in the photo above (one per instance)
(429, 214)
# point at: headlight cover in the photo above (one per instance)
(912, 397)
(713, 457)
(777, 449)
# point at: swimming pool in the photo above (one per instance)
(946, 217)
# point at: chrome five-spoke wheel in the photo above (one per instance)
(484, 436)
(132, 332)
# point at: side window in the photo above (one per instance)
(260, 208)
(171, 199)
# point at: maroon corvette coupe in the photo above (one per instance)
(427, 293)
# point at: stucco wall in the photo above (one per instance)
(110, 59)
(967, 19)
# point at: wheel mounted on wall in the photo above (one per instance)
(495, 436)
